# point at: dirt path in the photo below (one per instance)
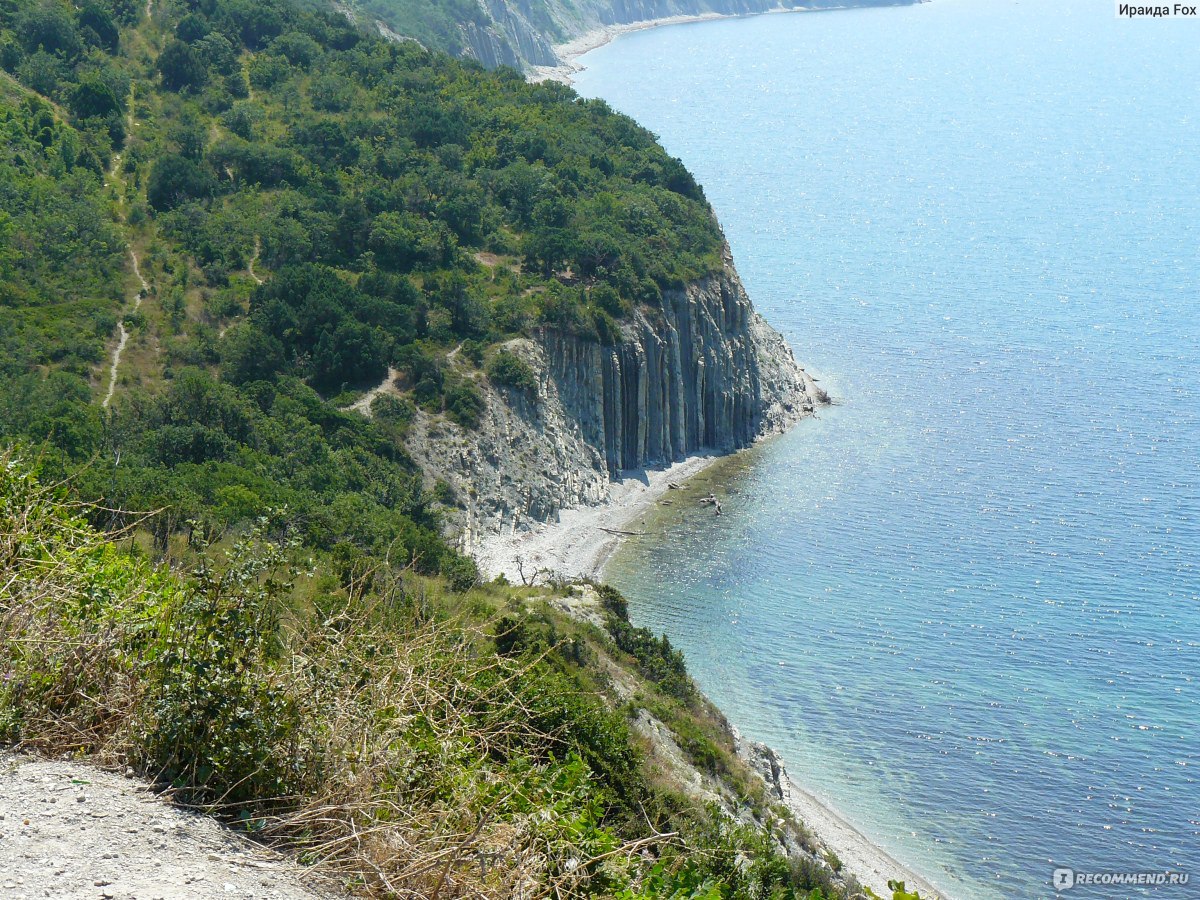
(116, 178)
(387, 386)
(123, 333)
(71, 831)
(254, 258)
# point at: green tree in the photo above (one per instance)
(192, 28)
(219, 55)
(353, 353)
(99, 21)
(297, 48)
(93, 98)
(174, 180)
(47, 26)
(181, 67)
(248, 354)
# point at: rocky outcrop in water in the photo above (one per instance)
(704, 373)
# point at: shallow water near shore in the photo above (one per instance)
(964, 603)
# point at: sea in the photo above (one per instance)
(964, 601)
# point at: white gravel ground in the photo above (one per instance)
(581, 541)
(71, 831)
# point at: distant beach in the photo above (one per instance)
(570, 51)
(582, 540)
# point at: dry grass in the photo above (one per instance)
(399, 752)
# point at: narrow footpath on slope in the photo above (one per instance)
(254, 258)
(123, 332)
(115, 177)
(387, 386)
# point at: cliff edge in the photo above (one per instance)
(542, 35)
(702, 374)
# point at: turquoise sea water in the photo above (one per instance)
(964, 602)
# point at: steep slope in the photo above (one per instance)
(706, 374)
(322, 221)
(409, 740)
(530, 33)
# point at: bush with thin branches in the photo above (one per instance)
(397, 750)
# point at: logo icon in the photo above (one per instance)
(1064, 879)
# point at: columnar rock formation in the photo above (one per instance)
(704, 373)
(675, 384)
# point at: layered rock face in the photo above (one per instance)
(703, 374)
(510, 39)
(524, 33)
(528, 34)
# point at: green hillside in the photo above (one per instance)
(308, 205)
(221, 223)
(376, 723)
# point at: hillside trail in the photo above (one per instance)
(123, 332)
(254, 258)
(387, 386)
(114, 176)
(253, 275)
(68, 830)
(123, 335)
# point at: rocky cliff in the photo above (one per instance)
(509, 39)
(527, 34)
(704, 373)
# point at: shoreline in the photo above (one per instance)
(566, 550)
(583, 539)
(862, 857)
(580, 544)
(570, 51)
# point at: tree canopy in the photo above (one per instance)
(395, 203)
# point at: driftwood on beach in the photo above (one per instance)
(622, 533)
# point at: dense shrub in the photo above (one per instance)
(507, 369)
(181, 67)
(464, 404)
(175, 180)
(656, 658)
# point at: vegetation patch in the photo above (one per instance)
(309, 204)
(371, 721)
(507, 369)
